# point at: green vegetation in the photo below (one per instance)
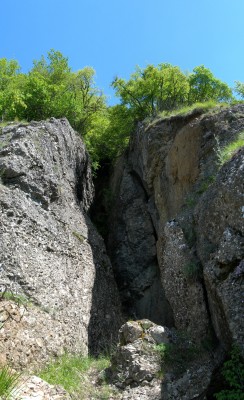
(8, 382)
(165, 87)
(233, 373)
(17, 298)
(239, 88)
(51, 89)
(226, 153)
(79, 236)
(203, 106)
(177, 356)
(205, 183)
(76, 373)
(192, 271)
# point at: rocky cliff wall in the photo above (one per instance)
(57, 288)
(179, 219)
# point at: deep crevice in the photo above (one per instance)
(140, 288)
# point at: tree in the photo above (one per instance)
(55, 70)
(12, 102)
(109, 133)
(239, 88)
(153, 89)
(37, 94)
(8, 70)
(85, 98)
(204, 86)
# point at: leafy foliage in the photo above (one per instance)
(109, 133)
(17, 298)
(239, 88)
(152, 90)
(51, 89)
(201, 106)
(233, 373)
(204, 87)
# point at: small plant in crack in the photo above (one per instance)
(192, 271)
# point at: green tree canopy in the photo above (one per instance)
(204, 86)
(11, 89)
(152, 89)
(239, 88)
(165, 87)
(51, 89)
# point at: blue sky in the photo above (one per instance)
(113, 36)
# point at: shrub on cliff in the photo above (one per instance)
(233, 373)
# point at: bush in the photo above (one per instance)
(233, 373)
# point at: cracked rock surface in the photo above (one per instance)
(51, 256)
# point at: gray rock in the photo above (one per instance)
(136, 361)
(33, 387)
(168, 189)
(220, 222)
(130, 332)
(185, 294)
(132, 249)
(160, 334)
(50, 253)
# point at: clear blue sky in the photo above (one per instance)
(115, 35)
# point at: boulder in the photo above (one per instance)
(136, 364)
(52, 260)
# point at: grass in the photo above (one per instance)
(206, 106)
(76, 374)
(192, 271)
(17, 298)
(226, 153)
(204, 185)
(8, 382)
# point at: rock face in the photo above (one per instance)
(170, 188)
(51, 258)
(135, 362)
(34, 387)
(219, 219)
(132, 244)
(142, 371)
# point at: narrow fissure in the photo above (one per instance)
(126, 226)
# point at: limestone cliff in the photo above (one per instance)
(57, 287)
(175, 242)
(178, 219)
